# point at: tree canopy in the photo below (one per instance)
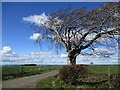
(79, 29)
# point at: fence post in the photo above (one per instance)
(109, 76)
(21, 71)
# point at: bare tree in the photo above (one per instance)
(77, 30)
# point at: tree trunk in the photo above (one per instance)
(72, 54)
(71, 59)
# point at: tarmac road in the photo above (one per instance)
(28, 81)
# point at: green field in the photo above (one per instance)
(105, 69)
(9, 72)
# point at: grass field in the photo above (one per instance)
(105, 69)
(9, 72)
(55, 82)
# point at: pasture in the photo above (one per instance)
(105, 69)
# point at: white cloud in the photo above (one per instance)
(38, 20)
(10, 57)
(90, 36)
(103, 51)
(114, 60)
(63, 56)
(36, 36)
(43, 20)
(7, 51)
(32, 57)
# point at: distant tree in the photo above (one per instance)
(29, 65)
(91, 63)
(79, 29)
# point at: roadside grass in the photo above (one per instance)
(10, 72)
(55, 83)
(51, 82)
(97, 72)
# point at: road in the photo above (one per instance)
(27, 82)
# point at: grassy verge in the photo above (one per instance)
(51, 82)
(55, 82)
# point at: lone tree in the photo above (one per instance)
(79, 29)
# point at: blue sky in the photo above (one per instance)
(16, 33)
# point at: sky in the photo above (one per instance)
(18, 37)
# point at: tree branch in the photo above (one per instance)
(96, 37)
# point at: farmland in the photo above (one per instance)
(105, 69)
(10, 72)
